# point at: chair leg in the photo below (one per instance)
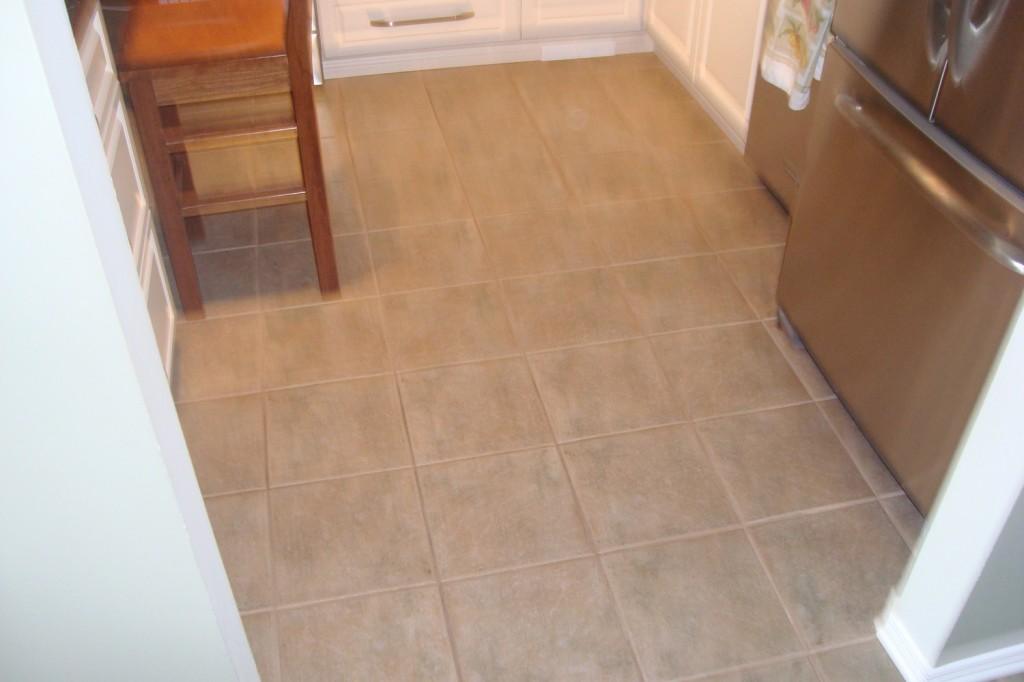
(165, 194)
(313, 176)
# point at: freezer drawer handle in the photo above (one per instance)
(396, 23)
(982, 228)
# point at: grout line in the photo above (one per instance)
(610, 264)
(445, 611)
(733, 501)
(292, 606)
(517, 336)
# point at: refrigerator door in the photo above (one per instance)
(982, 99)
(904, 40)
(902, 271)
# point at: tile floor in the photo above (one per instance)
(548, 430)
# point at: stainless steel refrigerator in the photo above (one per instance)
(905, 258)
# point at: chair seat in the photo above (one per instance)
(160, 33)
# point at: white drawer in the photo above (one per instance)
(348, 26)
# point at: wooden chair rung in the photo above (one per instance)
(192, 205)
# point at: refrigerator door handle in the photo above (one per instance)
(975, 23)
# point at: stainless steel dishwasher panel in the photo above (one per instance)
(903, 308)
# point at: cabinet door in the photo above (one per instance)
(726, 68)
(674, 24)
(356, 27)
(546, 18)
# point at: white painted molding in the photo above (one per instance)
(499, 53)
(911, 662)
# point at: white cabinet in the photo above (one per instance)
(360, 37)
(356, 27)
(544, 18)
(115, 132)
(714, 47)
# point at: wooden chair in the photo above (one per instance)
(172, 54)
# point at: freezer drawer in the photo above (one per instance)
(891, 278)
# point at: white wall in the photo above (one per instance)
(108, 568)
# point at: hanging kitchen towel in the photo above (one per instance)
(794, 46)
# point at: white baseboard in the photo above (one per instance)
(498, 53)
(736, 135)
(912, 664)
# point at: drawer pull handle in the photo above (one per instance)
(395, 23)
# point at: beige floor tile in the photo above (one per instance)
(798, 670)
(658, 107)
(429, 256)
(348, 536)
(262, 635)
(567, 309)
(905, 516)
(616, 176)
(489, 101)
(578, 117)
(683, 293)
(385, 103)
(647, 485)
(441, 326)
(727, 369)
(473, 409)
(342, 189)
(243, 538)
(324, 342)
(392, 636)
(344, 204)
(834, 569)
(225, 440)
(858, 663)
(217, 357)
(801, 362)
(539, 242)
(741, 220)
(285, 223)
(782, 461)
(502, 511)
(336, 429)
(712, 167)
(604, 389)
(407, 178)
(227, 281)
(549, 623)
(641, 230)
(627, 62)
(288, 276)
(224, 231)
(474, 144)
(425, 195)
(756, 273)
(870, 464)
(355, 272)
(557, 70)
(469, 78)
(330, 109)
(516, 184)
(698, 605)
